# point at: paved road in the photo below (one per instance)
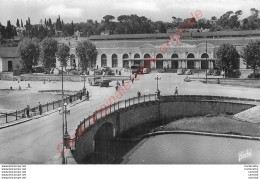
(36, 142)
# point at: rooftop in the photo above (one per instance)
(9, 52)
(186, 35)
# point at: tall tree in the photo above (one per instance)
(251, 55)
(87, 53)
(29, 52)
(9, 30)
(17, 23)
(228, 59)
(49, 48)
(63, 54)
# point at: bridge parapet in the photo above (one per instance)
(131, 112)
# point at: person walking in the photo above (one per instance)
(132, 80)
(87, 95)
(176, 91)
(123, 82)
(28, 111)
(138, 94)
(40, 108)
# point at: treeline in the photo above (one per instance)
(33, 52)
(126, 24)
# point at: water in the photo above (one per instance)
(193, 149)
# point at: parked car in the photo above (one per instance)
(209, 71)
(216, 73)
(188, 72)
(146, 70)
(180, 71)
(257, 75)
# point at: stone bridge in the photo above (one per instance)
(94, 133)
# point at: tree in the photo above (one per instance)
(87, 53)
(251, 55)
(49, 48)
(9, 30)
(227, 56)
(17, 23)
(29, 52)
(63, 54)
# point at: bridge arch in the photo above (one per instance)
(103, 138)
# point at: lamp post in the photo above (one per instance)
(64, 111)
(207, 62)
(84, 76)
(157, 78)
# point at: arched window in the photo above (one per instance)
(114, 61)
(147, 56)
(159, 55)
(136, 55)
(190, 55)
(103, 60)
(175, 55)
(125, 56)
(204, 55)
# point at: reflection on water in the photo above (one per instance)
(194, 149)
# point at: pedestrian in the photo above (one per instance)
(29, 85)
(123, 82)
(135, 75)
(138, 94)
(176, 91)
(80, 95)
(87, 95)
(28, 111)
(116, 71)
(70, 98)
(40, 108)
(132, 80)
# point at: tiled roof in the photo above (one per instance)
(166, 35)
(8, 52)
(157, 42)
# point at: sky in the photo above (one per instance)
(82, 10)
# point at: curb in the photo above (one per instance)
(36, 117)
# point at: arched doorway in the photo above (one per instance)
(204, 62)
(190, 63)
(104, 142)
(159, 63)
(175, 64)
(114, 61)
(103, 60)
(125, 60)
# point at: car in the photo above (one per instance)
(209, 72)
(180, 71)
(145, 70)
(188, 72)
(216, 73)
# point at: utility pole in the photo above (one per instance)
(207, 62)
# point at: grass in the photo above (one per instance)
(217, 124)
(251, 83)
(223, 124)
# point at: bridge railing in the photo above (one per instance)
(112, 108)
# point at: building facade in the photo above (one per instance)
(9, 59)
(195, 51)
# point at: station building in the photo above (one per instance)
(195, 50)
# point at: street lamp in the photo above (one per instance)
(64, 111)
(157, 78)
(84, 76)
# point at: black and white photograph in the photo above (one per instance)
(133, 83)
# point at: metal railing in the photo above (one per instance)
(34, 111)
(109, 110)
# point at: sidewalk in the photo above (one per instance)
(20, 121)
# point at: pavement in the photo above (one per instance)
(37, 141)
(249, 115)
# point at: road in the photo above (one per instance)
(36, 141)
